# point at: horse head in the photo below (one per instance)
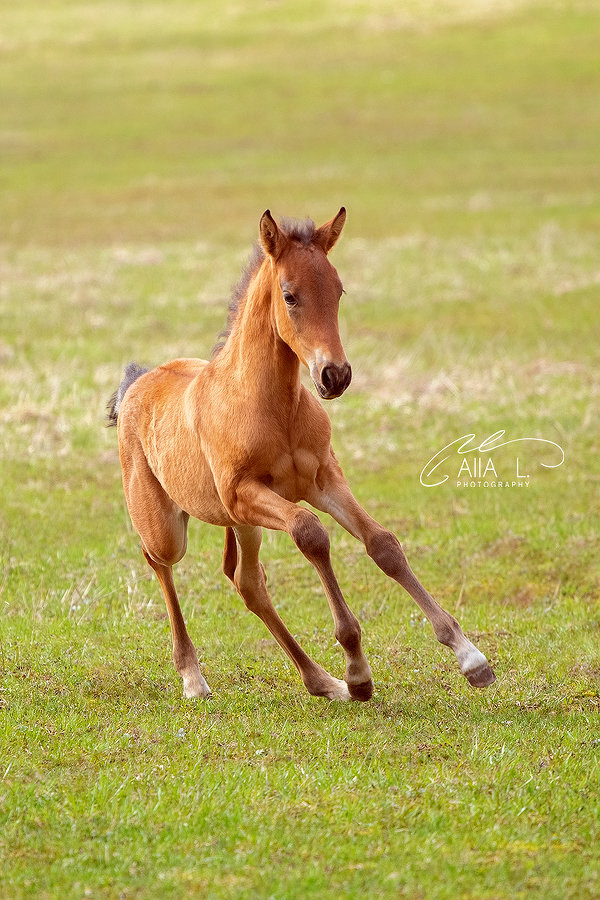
(306, 292)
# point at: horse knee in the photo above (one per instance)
(385, 550)
(310, 536)
(252, 601)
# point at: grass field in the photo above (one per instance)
(140, 144)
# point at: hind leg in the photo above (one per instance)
(184, 652)
(162, 527)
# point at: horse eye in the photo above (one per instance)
(289, 298)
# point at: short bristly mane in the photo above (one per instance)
(295, 230)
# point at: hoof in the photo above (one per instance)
(481, 677)
(197, 695)
(362, 691)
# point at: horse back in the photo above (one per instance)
(159, 390)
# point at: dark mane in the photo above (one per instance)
(296, 230)
(239, 292)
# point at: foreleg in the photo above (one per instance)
(335, 497)
(242, 566)
(255, 504)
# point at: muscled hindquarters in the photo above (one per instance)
(237, 441)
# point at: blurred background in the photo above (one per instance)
(149, 120)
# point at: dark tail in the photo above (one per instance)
(132, 373)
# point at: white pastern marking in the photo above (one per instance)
(470, 658)
(195, 686)
(339, 690)
(358, 671)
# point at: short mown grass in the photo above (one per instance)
(140, 145)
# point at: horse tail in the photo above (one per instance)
(132, 373)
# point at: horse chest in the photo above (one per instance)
(293, 472)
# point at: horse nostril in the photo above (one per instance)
(328, 377)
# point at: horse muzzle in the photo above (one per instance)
(332, 380)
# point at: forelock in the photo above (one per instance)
(299, 230)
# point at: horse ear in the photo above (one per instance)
(327, 235)
(270, 235)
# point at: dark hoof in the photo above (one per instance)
(481, 677)
(362, 691)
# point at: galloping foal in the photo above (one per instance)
(237, 441)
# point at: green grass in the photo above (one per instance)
(140, 144)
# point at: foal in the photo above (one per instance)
(238, 441)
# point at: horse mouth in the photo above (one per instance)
(324, 394)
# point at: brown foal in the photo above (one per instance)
(237, 441)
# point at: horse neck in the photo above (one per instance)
(254, 351)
